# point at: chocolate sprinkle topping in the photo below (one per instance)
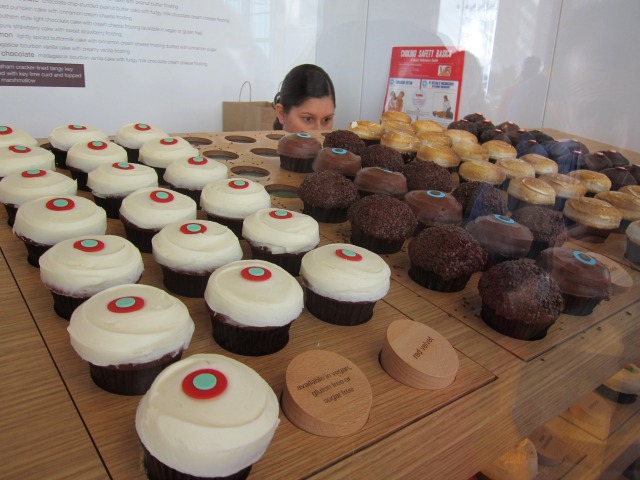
(546, 225)
(427, 176)
(480, 198)
(382, 216)
(327, 189)
(344, 139)
(382, 156)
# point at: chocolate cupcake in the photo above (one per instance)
(519, 299)
(583, 280)
(521, 136)
(444, 257)
(509, 127)
(427, 176)
(434, 207)
(493, 134)
(465, 125)
(620, 177)
(617, 158)
(474, 117)
(546, 225)
(381, 223)
(327, 196)
(297, 151)
(337, 160)
(595, 161)
(540, 137)
(482, 126)
(344, 139)
(383, 157)
(503, 238)
(530, 147)
(479, 198)
(372, 180)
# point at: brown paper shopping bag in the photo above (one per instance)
(247, 116)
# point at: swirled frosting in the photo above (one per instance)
(83, 266)
(254, 293)
(500, 235)
(337, 159)
(234, 198)
(194, 173)
(134, 135)
(129, 324)
(15, 136)
(65, 136)
(299, 145)
(281, 231)
(87, 156)
(120, 179)
(626, 380)
(195, 246)
(20, 187)
(208, 416)
(379, 180)
(160, 153)
(51, 219)
(18, 158)
(156, 207)
(433, 207)
(346, 273)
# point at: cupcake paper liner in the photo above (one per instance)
(289, 261)
(433, 281)
(587, 234)
(299, 165)
(133, 154)
(65, 305)
(632, 252)
(11, 213)
(618, 397)
(376, 245)
(193, 194)
(34, 251)
(233, 224)
(60, 157)
(111, 205)
(140, 237)
(80, 177)
(156, 470)
(579, 306)
(325, 215)
(337, 312)
(186, 284)
(514, 328)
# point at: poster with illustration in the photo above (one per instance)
(425, 82)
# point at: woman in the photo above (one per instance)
(306, 101)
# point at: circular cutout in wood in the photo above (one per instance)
(220, 155)
(418, 356)
(240, 139)
(248, 171)
(275, 136)
(326, 394)
(282, 191)
(198, 141)
(265, 152)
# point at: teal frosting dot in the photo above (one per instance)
(33, 172)
(205, 381)
(303, 135)
(198, 159)
(504, 219)
(20, 148)
(143, 125)
(348, 253)
(162, 195)
(123, 165)
(240, 183)
(89, 243)
(78, 127)
(584, 258)
(61, 202)
(97, 144)
(281, 213)
(339, 151)
(125, 302)
(194, 227)
(256, 272)
(168, 139)
(4, 129)
(435, 193)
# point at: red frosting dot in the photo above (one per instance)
(4, 130)
(89, 245)
(97, 145)
(161, 196)
(60, 204)
(125, 304)
(142, 127)
(192, 228)
(77, 127)
(169, 141)
(33, 173)
(255, 274)
(280, 214)
(204, 384)
(19, 149)
(348, 255)
(197, 161)
(238, 184)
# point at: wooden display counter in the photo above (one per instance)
(504, 389)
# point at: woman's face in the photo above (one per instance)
(312, 114)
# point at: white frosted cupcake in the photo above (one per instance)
(64, 137)
(77, 268)
(190, 175)
(160, 153)
(206, 416)
(128, 334)
(132, 136)
(230, 201)
(84, 157)
(343, 282)
(45, 221)
(18, 158)
(145, 211)
(15, 136)
(20, 187)
(109, 184)
(189, 252)
(281, 236)
(252, 304)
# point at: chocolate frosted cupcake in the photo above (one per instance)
(617, 158)
(344, 139)
(465, 125)
(427, 176)
(632, 252)
(381, 223)
(503, 238)
(474, 117)
(444, 257)
(327, 196)
(620, 177)
(595, 162)
(493, 134)
(434, 207)
(583, 280)
(382, 156)
(519, 299)
(369, 132)
(546, 225)
(479, 198)
(297, 151)
(372, 180)
(338, 160)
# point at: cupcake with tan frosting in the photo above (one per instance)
(591, 219)
(524, 191)
(499, 150)
(370, 132)
(434, 139)
(628, 204)
(392, 115)
(471, 152)
(594, 182)
(515, 168)
(479, 171)
(444, 156)
(565, 187)
(427, 126)
(405, 143)
(632, 252)
(460, 136)
(542, 165)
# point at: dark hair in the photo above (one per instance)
(301, 83)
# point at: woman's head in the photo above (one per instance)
(306, 101)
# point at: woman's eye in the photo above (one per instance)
(307, 119)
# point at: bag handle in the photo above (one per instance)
(247, 82)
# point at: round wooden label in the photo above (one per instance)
(418, 356)
(593, 409)
(551, 450)
(326, 394)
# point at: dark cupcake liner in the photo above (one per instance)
(433, 281)
(376, 245)
(579, 306)
(156, 470)
(289, 261)
(34, 251)
(11, 213)
(536, 248)
(514, 204)
(250, 341)
(160, 172)
(618, 397)
(60, 157)
(560, 202)
(408, 157)
(370, 141)
(133, 154)
(338, 312)
(632, 252)
(585, 233)
(64, 305)
(193, 194)
(80, 177)
(186, 284)
(111, 205)
(140, 237)
(299, 165)
(130, 379)
(233, 224)
(513, 328)
(325, 215)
